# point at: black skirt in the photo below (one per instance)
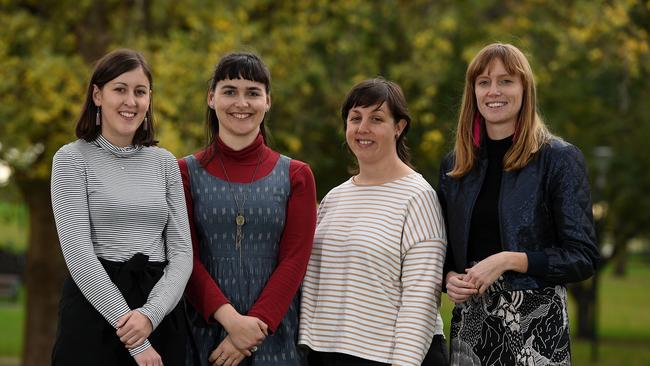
(84, 337)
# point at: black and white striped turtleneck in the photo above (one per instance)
(114, 202)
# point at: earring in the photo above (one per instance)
(98, 116)
(146, 120)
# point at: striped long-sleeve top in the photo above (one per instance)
(112, 203)
(372, 287)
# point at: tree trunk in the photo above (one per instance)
(620, 260)
(584, 293)
(44, 273)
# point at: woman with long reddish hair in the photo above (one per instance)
(518, 210)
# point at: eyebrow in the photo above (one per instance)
(378, 109)
(125, 84)
(499, 76)
(234, 87)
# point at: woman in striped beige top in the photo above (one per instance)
(372, 288)
(121, 219)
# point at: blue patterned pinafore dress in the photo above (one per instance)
(242, 274)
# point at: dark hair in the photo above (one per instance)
(108, 68)
(239, 65)
(376, 92)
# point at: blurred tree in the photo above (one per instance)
(45, 52)
(590, 57)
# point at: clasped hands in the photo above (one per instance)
(245, 333)
(133, 329)
(477, 279)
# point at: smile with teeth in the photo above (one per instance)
(127, 114)
(364, 142)
(496, 104)
(241, 115)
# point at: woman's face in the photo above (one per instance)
(499, 96)
(371, 133)
(124, 102)
(240, 105)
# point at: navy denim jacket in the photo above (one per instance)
(545, 211)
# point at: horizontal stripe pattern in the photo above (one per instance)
(372, 287)
(111, 204)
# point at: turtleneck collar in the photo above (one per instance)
(249, 155)
(498, 148)
(120, 152)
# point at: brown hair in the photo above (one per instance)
(108, 68)
(378, 91)
(530, 131)
(238, 65)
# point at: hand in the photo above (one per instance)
(148, 357)
(226, 354)
(458, 288)
(244, 331)
(133, 328)
(247, 332)
(487, 271)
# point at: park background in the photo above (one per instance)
(591, 60)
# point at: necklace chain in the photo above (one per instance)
(240, 219)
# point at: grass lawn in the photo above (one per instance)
(624, 325)
(11, 329)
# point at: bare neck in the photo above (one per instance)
(382, 172)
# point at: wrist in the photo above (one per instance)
(227, 316)
(516, 261)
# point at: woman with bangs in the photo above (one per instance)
(252, 217)
(517, 205)
(372, 288)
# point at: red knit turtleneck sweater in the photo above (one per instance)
(295, 245)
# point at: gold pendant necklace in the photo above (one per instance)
(240, 220)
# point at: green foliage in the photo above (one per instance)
(591, 60)
(14, 226)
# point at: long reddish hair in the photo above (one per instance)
(530, 131)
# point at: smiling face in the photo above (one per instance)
(499, 96)
(124, 102)
(240, 106)
(371, 133)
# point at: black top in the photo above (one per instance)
(484, 233)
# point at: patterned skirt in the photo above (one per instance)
(505, 327)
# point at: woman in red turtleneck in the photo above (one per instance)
(252, 217)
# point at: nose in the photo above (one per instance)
(241, 101)
(364, 126)
(494, 89)
(130, 99)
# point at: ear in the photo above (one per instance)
(210, 99)
(399, 127)
(268, 102)
(97, 96)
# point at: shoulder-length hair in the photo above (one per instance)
(237, 65)
(530, 131)
(376, 92)
(108, 68)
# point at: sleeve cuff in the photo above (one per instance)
(134, 351)
(537, 263)
(272, 325)
(153, 317)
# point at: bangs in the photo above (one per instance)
(367, 96)
(243, 66)
(513, 61)
(376, 92)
